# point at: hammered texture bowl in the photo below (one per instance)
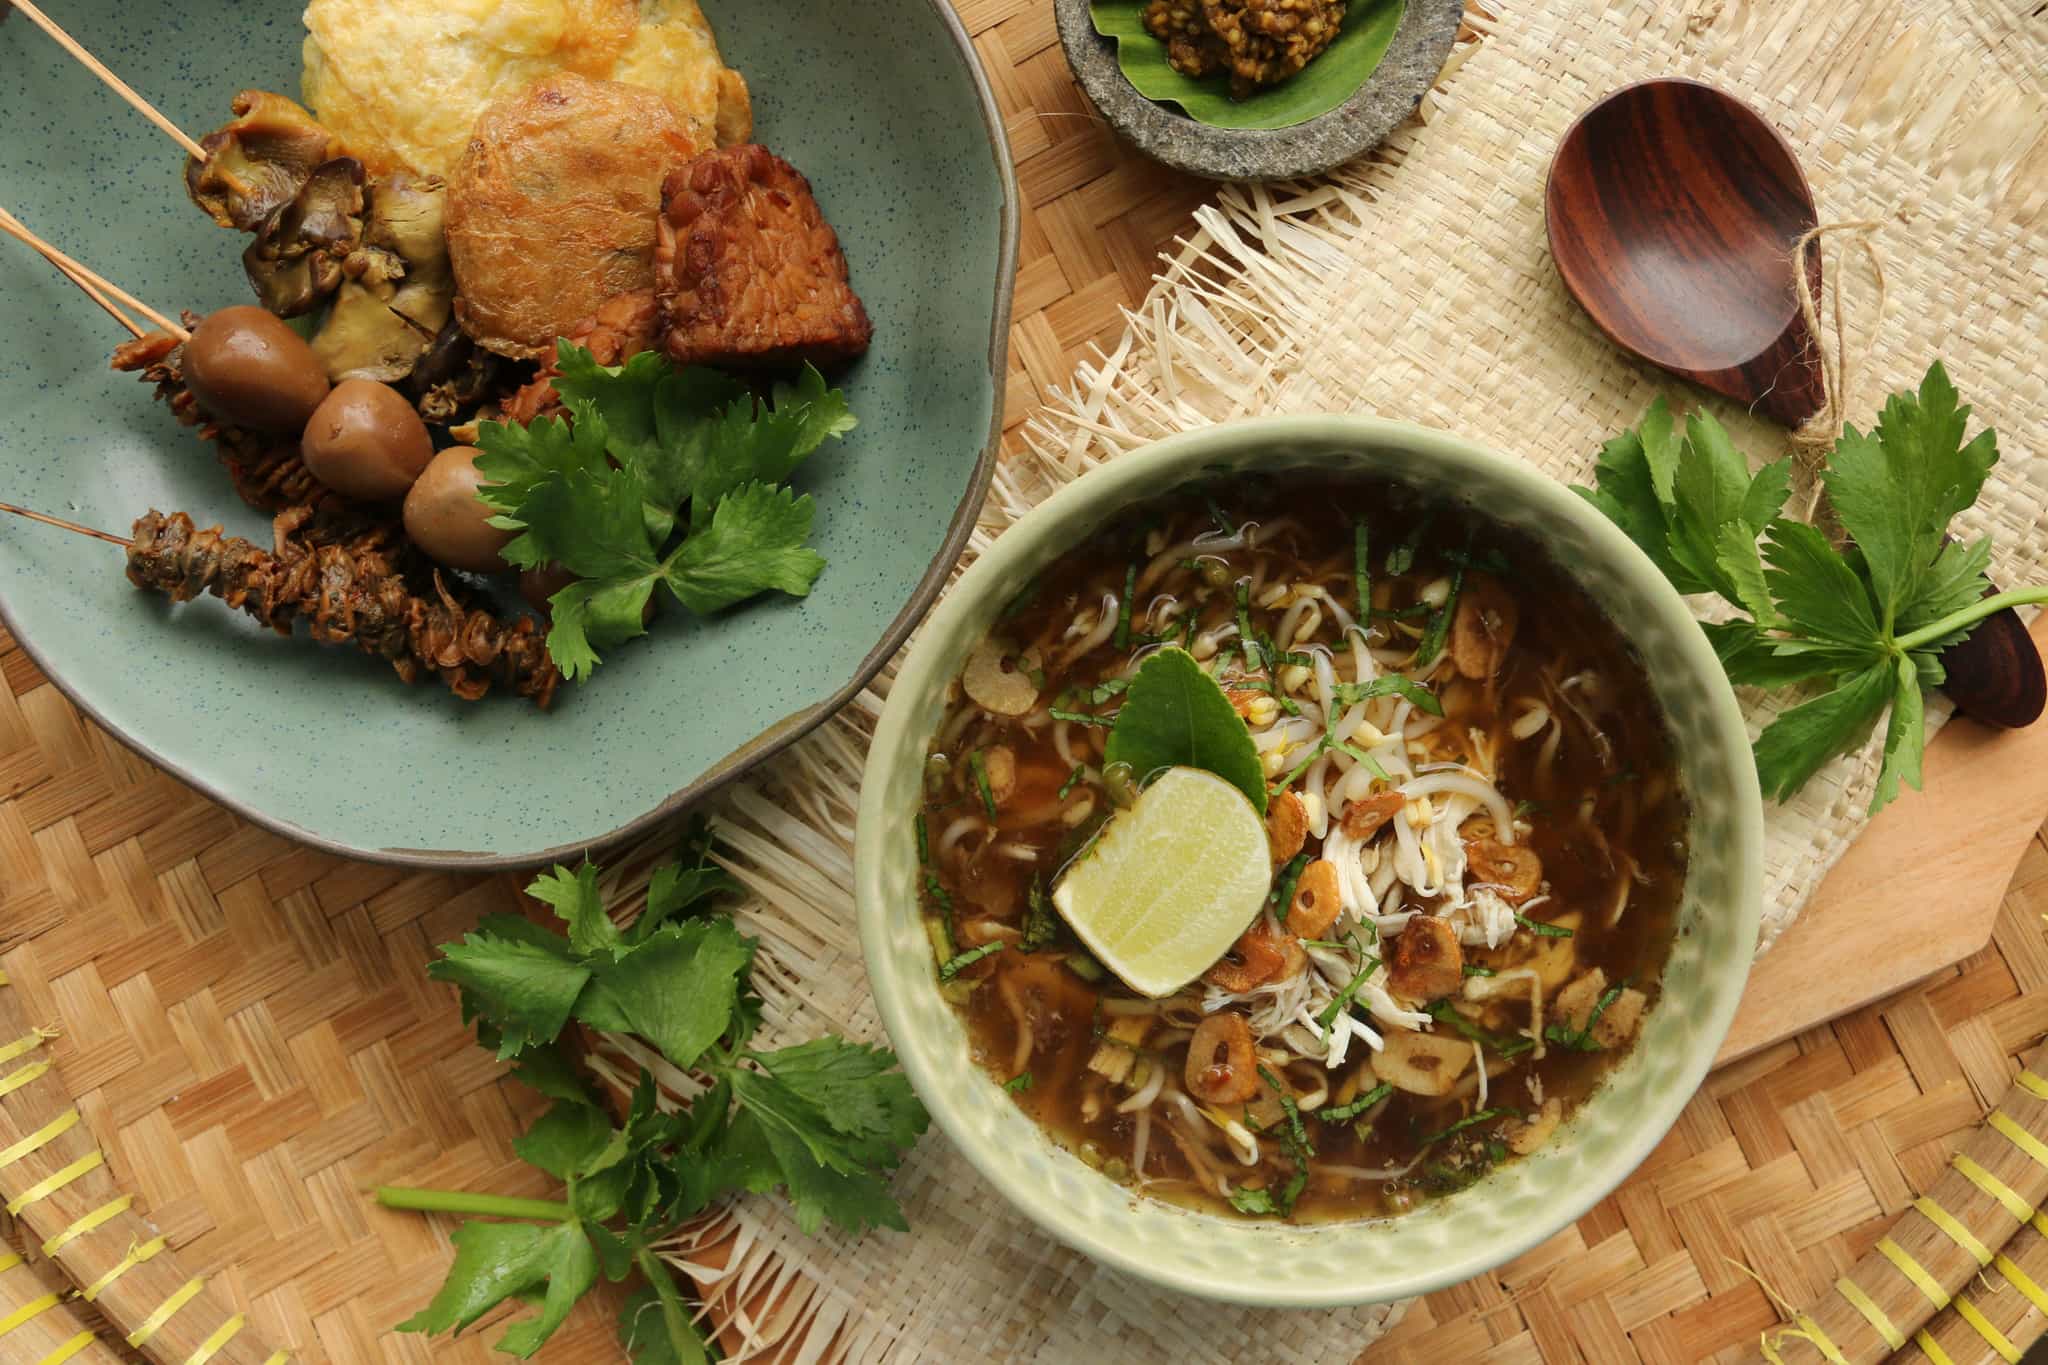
(1514, 1208)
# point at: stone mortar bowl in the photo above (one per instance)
(1164, 133)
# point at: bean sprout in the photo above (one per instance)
(1092, 636)
(1142, 1097)
(1363, 1173)
(1482, 792)
(1063, 744)
(1530, 721)
(958, 830)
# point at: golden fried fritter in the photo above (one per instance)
(552, 209)
(622, 327)
(747, 270)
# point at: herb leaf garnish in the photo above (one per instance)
(1175, 715)
(824, 1121)
(603, 493)
(1870, 622)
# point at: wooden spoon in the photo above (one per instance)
(1673, 209)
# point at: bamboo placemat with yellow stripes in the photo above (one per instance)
(245, 1033)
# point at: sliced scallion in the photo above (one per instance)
(1469, 1121)
(959, 963)
(1538, 927)
(980, 766)
(1391, 684)
(1361, 571)
(1344, 1113)
(1122, 637)
(1341, 1001)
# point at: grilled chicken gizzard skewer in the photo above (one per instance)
(344, 595)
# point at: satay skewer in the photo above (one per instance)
(344, 596)
(113, 82)
(95, 285)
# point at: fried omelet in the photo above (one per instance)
(403, 81)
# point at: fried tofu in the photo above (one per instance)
(747, 270)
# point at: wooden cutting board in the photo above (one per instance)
(1917, 891)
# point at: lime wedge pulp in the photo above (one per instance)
(1171, 883)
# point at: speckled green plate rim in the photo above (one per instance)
(1330, 1265)
(776, 737)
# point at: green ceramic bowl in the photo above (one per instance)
(324, 744)
(1330, 1264)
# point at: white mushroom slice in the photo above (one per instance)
(994, 681)
(1524, 1138)
(1421, 1063)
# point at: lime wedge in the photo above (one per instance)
(1171, 883)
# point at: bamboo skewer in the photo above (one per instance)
(95, 285)
(113, 82)
(62, 524)
(91, 291)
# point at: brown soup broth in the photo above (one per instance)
(1562, 721)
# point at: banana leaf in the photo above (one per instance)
(1330, 78)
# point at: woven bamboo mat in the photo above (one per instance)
(247, 1031)
(1790, 1164)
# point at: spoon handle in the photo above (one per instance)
(1784, 381)
(1995, 676)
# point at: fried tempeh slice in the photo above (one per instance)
(746, 269)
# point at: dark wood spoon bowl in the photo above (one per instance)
(1673, 211)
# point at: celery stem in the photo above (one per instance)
(483, 1205)
(1972, 614)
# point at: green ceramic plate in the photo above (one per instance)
(326, 745)
(1329, 1264)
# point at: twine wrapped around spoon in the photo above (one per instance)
(1815, 439)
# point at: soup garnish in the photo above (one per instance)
(1474, 845)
